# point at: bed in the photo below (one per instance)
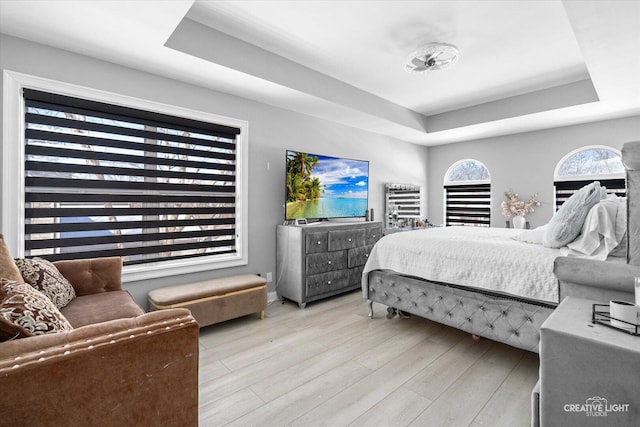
(492, 282)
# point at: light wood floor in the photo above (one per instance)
(330, 365)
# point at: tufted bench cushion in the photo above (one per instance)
(215, 300)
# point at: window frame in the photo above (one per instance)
(447, 181)
(593, 177)
(476, 184)
(13, 167)
(613, 179)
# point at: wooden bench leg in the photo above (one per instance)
(261, 314)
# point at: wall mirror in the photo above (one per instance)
(402, 204)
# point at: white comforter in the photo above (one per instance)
(478, 257)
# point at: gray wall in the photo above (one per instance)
(523, 162)
(271, 132)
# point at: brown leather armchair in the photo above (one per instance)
(118, 366)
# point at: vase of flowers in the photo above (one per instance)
(516, 207)
(519, 222)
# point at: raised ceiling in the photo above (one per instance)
(524, 65)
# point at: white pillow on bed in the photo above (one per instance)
(598, 236)
(531, 236)
(621, 229)
(566, 224)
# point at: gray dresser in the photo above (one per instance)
(323, 259)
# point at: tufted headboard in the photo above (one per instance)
(631, 161)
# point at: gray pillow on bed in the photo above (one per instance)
(566, 224)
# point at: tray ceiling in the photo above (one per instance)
(523, 65)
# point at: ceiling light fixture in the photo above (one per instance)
(433, 56)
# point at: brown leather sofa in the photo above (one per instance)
(118, 366)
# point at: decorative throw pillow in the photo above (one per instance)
(25, 312)
(45, 277)
(566, 224)
(8, 269)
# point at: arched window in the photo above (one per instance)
(467, 193)
(585, 165)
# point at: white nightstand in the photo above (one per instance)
(589, 373)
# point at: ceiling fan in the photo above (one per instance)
(433, 56)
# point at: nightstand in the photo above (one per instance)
(589, 373)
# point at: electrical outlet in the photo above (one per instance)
(269, 277)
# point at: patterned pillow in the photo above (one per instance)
(24, 312)
(45, 277)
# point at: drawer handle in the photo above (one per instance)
(328, 282)
(319, 242)
(349, 238)
(329, 262)
(366, 255)
(374, 236)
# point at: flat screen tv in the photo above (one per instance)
(324, 187)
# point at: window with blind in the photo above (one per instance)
(108, 180)
(468, 205)
(585, 165)
(468, 194)
(565, 189)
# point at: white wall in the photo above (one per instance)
(271, 132)
(524, 162)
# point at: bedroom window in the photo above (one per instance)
(467, 194)
(160, 186)
(585, 165)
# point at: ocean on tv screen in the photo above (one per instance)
(327, 208)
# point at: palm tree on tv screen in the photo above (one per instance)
(300, 185)
(314, 188)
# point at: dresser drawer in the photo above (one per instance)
(372, 235)
(328, 261)
(359, 256)
(316, 242)
(355, 275)
(346, 239)
(327, 282)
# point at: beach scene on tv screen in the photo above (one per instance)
(325, 187)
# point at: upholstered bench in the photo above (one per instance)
(215, 300)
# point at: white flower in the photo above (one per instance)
(513, 205)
